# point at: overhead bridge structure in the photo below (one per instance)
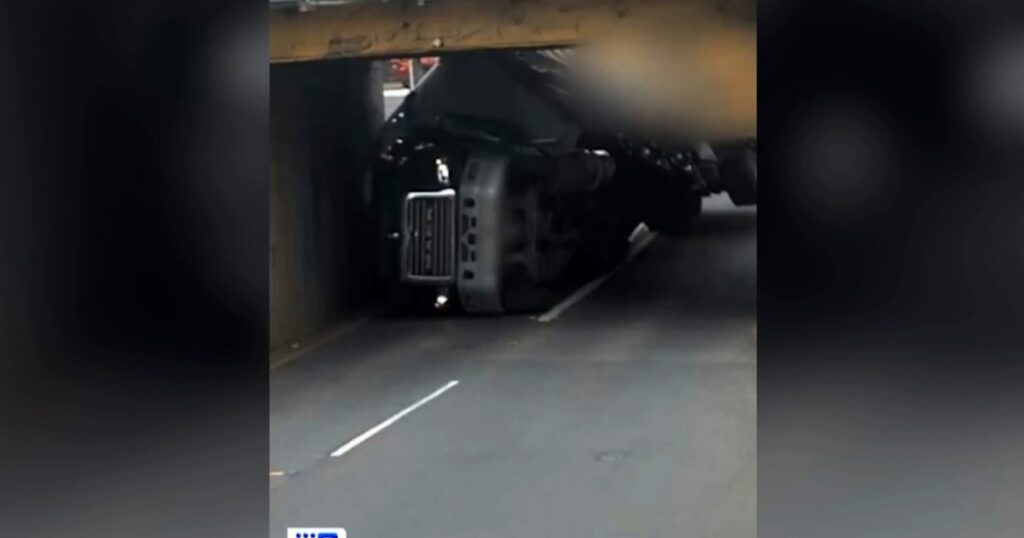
(306, 30)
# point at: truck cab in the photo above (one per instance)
(491, 196)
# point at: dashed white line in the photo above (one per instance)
(646, 238)
(362, 438)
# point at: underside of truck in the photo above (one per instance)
(496, 187)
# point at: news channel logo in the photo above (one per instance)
(334, 532)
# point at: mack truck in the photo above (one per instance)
(494, 192)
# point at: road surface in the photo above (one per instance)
(633, 414)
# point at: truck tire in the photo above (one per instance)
(674, 219)
(696, 206)
(739, 177)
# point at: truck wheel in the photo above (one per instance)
(674, 220)
(677, 226)
(739, 177)
(696, 205)
(597, 255)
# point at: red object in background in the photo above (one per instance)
(400, 68)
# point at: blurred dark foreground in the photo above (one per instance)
(891, 270)
(133, 300)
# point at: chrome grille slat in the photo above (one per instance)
(428, 249)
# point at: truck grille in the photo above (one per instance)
(428, 238)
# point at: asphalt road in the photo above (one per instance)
(631, 415)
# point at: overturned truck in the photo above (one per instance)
(495, 189)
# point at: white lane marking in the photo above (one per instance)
(638, 231)
(343, 449)
(589, 287)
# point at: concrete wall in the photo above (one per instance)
(323, 118)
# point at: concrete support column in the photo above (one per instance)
(324, 116)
